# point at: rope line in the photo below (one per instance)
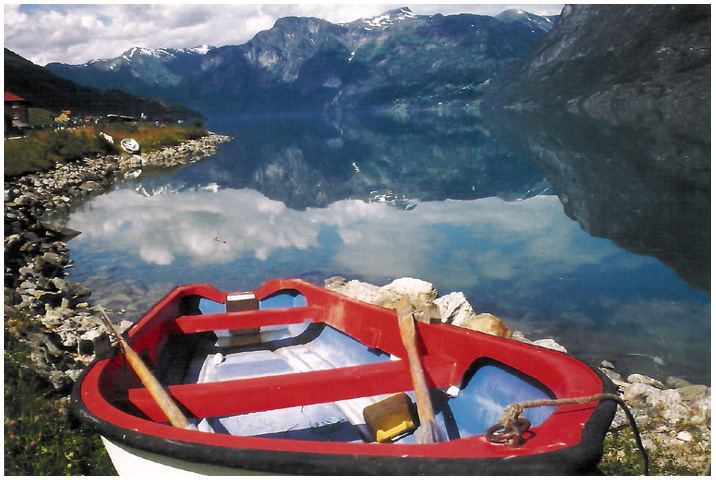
(512, 412)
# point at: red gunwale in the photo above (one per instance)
(448, 352)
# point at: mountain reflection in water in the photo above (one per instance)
(293, 198)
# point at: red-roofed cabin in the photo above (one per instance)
(15, 109)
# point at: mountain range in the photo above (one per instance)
(621, 64)
(43, 89)
(618, 63)
(391, 60)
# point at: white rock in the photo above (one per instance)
(365, 292)
(549, 343)
(668, 403)
(124, 325)
(637, 393)
(91, 334)
(456, 310)
(454, 307)
(520, 337)
(419, 291)
(684, 436)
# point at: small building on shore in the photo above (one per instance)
(64, 117)
(15, 110)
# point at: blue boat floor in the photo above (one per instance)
(309, 347)
(333, 421)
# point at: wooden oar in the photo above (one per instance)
(150, 382)
(429, 432)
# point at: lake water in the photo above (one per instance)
(542, 225)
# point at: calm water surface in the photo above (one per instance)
(516, 216)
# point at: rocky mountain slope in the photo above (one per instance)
(392, 60)
(620, 63)
(141, 71)
(43, 89)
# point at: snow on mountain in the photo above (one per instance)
(136, 53)
(200, 50)
(387, 19)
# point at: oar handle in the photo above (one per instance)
(150, 382)
(429, 431)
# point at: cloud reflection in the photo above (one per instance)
(208, 228)
(458, 243)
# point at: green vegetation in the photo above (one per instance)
(151, 137)
(38, 437)
(42, 150)
(621, 457)
(40, 117)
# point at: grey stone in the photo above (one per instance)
(612, 375)
(692, 393)
(607, 364)
(90, 185)
(638, 378)
(676, 382)
(71, 289)
(53, 259)
(637, 393)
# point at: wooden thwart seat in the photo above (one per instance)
(236, 397)
(248, 319)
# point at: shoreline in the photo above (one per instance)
(52, 316)
(63, 329)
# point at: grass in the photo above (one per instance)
(621, 457)
(42, 150)
(40, 117)
(151, 137)
(38, 437)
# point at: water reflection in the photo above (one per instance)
(314, 161)
(522, 260)
(473, 206)
(648, 190)
(370, 240)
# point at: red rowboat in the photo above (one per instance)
(279, 383)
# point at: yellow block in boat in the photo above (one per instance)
(390, 417)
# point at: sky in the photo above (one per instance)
(78, 33)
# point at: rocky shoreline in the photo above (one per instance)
(53, 317)
(43, 309)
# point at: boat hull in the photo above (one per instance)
(133, 453)
(568, 440)
(134, 462)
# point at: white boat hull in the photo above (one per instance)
(137, 463)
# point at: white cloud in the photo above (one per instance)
(78, 33)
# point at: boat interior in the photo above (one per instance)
(287, 367)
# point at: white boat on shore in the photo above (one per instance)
(130, 145)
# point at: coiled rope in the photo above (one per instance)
(511, 429)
